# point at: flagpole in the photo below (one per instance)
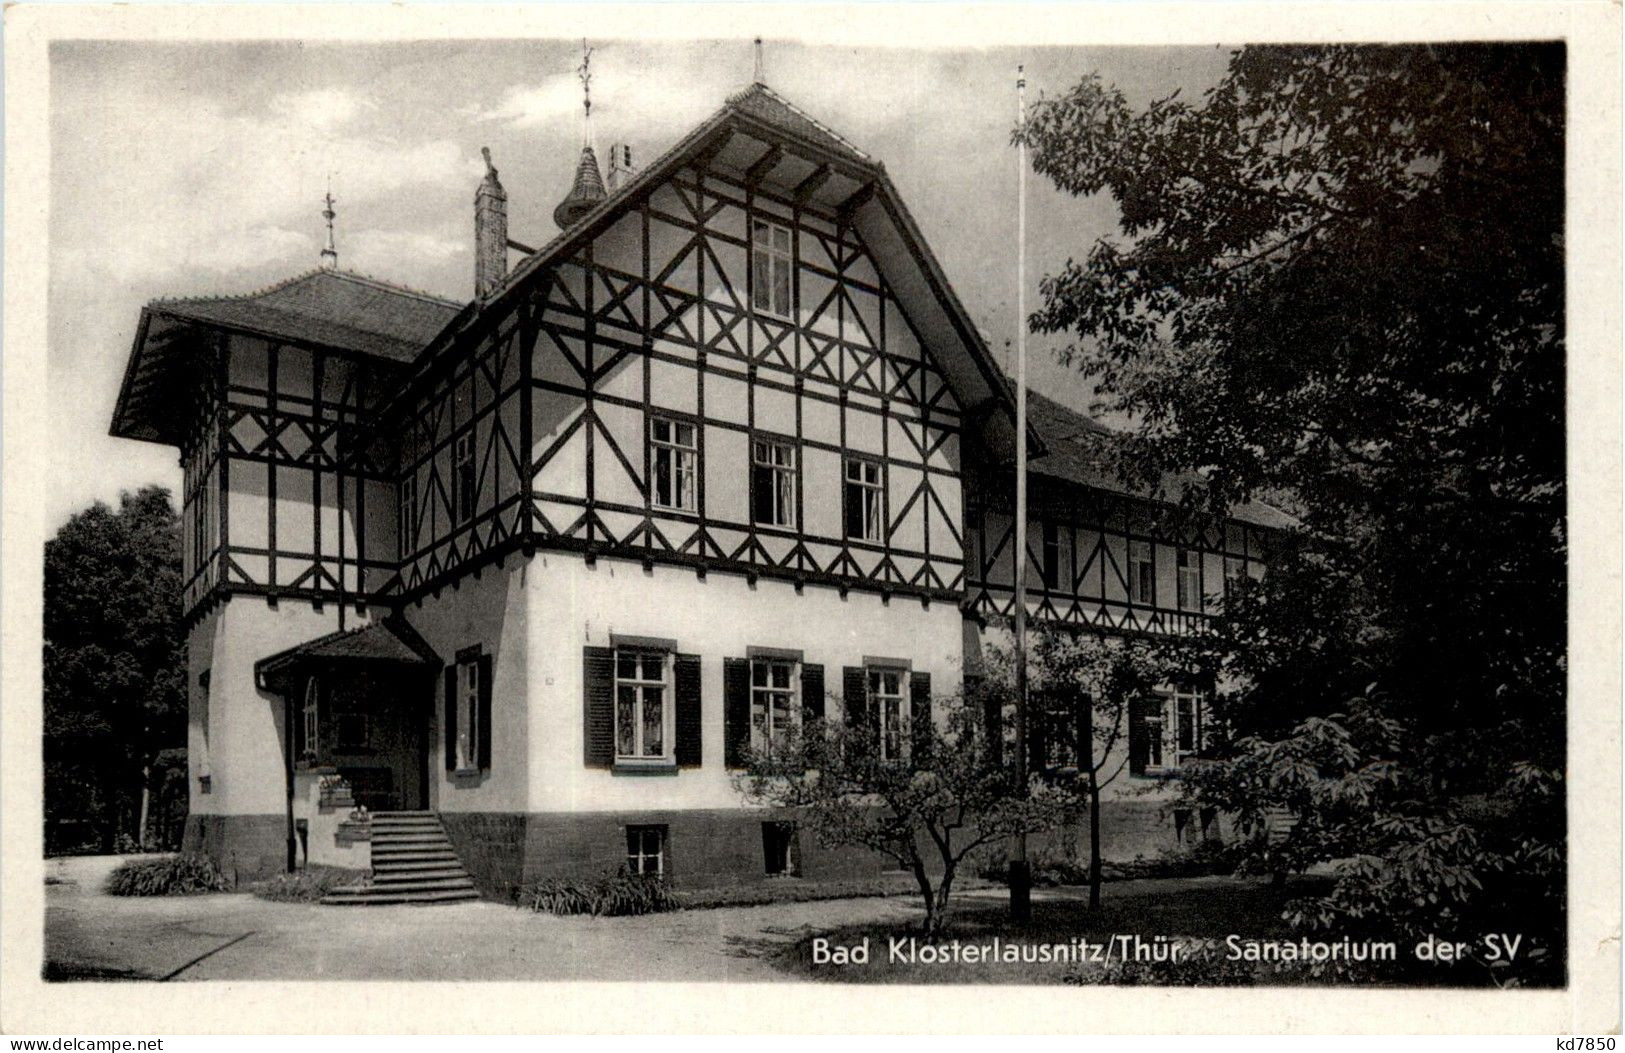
(1020, 874)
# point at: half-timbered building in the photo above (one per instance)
(503, 588)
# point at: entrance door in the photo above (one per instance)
(379, 738)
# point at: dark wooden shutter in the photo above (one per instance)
(855, 690)
(483, 734)
(689, 725)
(598, 707)
(735, 711)
(1083, 736)
(992, 720)
(1139, 739)
(919, 717)
(1038, 721)
(448, 730)
(812, 692)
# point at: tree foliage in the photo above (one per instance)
(1340, 283)
(114, 661)
(950, 797)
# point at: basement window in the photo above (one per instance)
(646, 850)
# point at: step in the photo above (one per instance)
(413, 883)
(405, 820)
(396, 877)
(408, 828)
(397, 865)
(412, 814)
(376, 900)
(410, 839)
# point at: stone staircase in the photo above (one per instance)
(412, 862)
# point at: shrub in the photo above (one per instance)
(779, 890)
(616, 894)
(305, 886)
(166, 876)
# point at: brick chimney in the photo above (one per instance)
(490, 231)
(621, 169)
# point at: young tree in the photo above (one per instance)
(929, 810)
(114, 662)
(1081, 686)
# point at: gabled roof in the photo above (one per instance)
(326, 308)
(390, 641)
(783, 136)
(1074, 439)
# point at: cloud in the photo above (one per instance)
(532, 105)
(207, 187)
(406, 247)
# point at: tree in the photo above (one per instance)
(1341, 280)
(1080, 688)
(114, 662)
(929, 811)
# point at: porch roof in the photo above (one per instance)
(391, 640)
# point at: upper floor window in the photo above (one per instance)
(1142, 573)
(642, 716)
(1187, 723)
(773, 483)
(674, 461)
(887, 701)
(1052, 556)
(1189, 579)
(863, 499)
(771, 261)
(409, 515)
(1235, 573)
(773, 705)
(462, 476)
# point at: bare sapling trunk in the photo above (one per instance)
(146, 800)
(1094, 838)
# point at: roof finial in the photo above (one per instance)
(584, 71)
(757, 78)
(330, 254)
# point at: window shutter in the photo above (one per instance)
(689, 724)
(992, 721)
(598, 703)
(1139, 740)
(735, 710)
(919, 717)
(1038, 719)
(483, 735)
(1084, 732)
(812, 692)
(855, 688)
(448, 730)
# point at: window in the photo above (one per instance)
(1235, 574)
(673, 458)
(863, 499)
(770, 268)
(1189, 579)
(1142, 573)
(462, 479)
(205, 774)
(646, 850)
(310, 719)
(642, 717)
(773, 483)
(779, 849)
(1155, 754)
(1187, 716)
(1052, 556)
(468, 707)
(773, 704)
(887, 701)
(409, 515)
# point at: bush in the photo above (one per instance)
(166, 876)
(305, 886)
(613, 895)
(780, 890)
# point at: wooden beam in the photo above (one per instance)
(764, 165)
(810, 186)
(708, 153)
(856, 200)
(517, 247)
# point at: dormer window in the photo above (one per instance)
(771, 263)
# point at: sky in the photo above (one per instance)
(190, 169)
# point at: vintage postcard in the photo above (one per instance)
(1103, 503)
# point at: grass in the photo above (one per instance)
(1208, 909)
(791, 890)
